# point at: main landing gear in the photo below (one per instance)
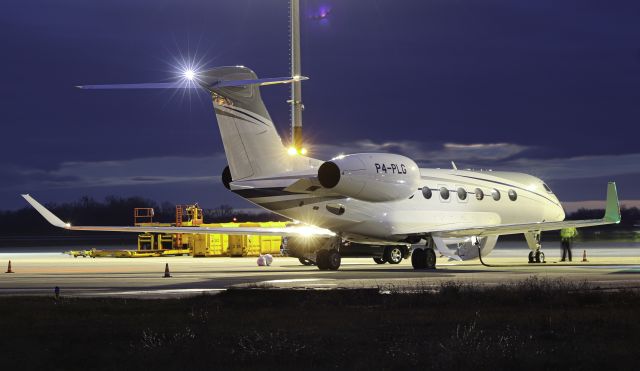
(328, 260)
(536, 256)
(328, 256)
(424, 258)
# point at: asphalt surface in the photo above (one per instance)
(37, 273)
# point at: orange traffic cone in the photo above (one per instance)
(9, 268)
(166, 271)
(584, 256)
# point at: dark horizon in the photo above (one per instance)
(548, 88)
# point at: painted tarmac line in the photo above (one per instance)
(190, 292)
(293, 280)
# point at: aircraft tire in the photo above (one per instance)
(379, 260)
(539, 257)
(322, 260)
(430, 259)
(392, 254)
(305, 261)
(419, 259)
(531, 257)
(333, 260)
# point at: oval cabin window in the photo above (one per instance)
(444, 193)
(426, 192)
(462, 194)
(479, 194)
(495, 194)
(513, 195)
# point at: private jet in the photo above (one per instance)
(365, 198)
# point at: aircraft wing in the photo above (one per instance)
(296, 230)
(611, 216)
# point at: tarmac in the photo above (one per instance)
(38, 273)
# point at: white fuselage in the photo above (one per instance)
(395, 221)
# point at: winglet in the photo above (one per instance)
(612, 211)
(51, 218)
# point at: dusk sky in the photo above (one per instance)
(546, 87)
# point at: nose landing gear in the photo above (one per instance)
(536, 256)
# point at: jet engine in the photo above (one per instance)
(374, 177)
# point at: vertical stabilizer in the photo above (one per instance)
(251, 142)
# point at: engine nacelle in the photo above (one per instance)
(374, 177)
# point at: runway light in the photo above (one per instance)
(292, 151)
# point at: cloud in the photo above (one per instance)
(497, 156)
(572, 206)
(428, 154)
(579, 167)
(139, 171)
(573, 179)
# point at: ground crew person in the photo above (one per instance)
(566, 237)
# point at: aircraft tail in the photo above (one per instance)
(251, 142)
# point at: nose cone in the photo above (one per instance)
(554, 213)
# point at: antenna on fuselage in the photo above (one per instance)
(296, 88)
(453, 165)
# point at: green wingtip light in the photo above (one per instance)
(612, 211)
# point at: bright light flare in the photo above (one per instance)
(339, 157)
(292, 151)
(189, 74)
(310, 231)
(189, 69)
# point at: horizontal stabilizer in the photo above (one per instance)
(296, 230)
(151, 85)
(194, 84)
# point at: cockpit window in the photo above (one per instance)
(546, 188)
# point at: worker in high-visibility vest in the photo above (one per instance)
(566, 237)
